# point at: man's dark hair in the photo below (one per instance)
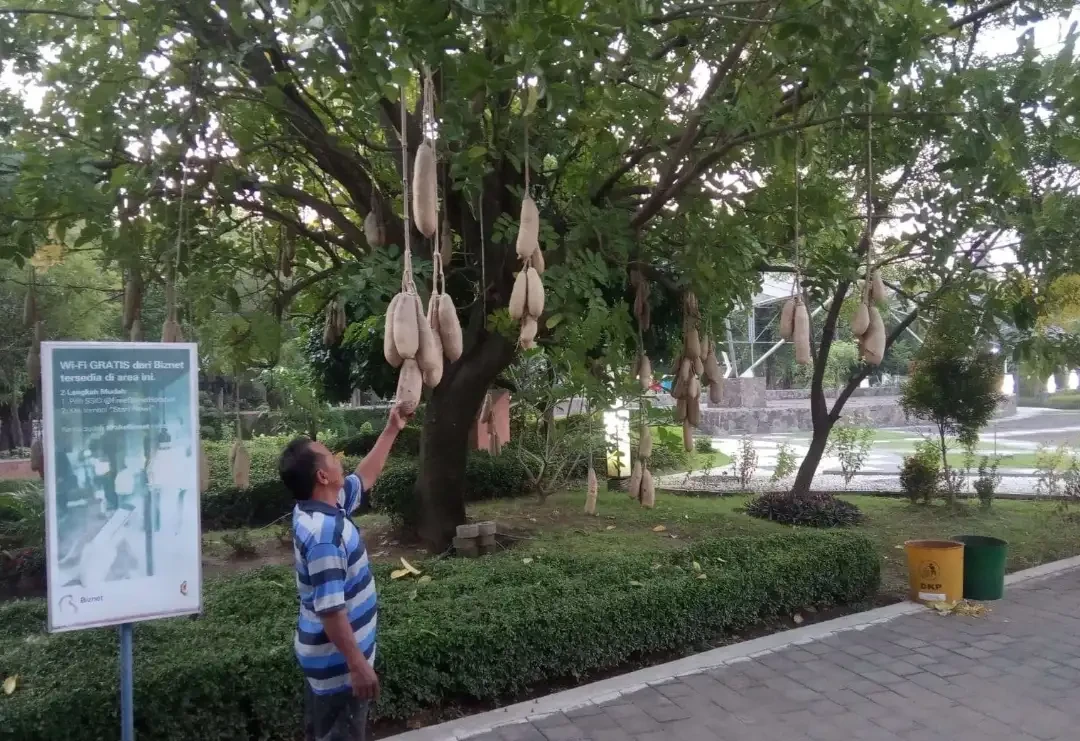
(297, 468)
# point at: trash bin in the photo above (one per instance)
(935, 570)
(984, 566)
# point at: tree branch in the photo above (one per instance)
(61, 14)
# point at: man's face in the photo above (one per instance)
(330, 473)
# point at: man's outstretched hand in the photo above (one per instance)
(399, 417)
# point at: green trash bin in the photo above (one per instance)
(984, 566)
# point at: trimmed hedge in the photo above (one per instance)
(407, 443)
(223, 506)
(482, 630)
(266, 500)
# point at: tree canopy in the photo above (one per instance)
(240, 144)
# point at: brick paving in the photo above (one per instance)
(1011, 675)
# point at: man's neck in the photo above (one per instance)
(326, 496)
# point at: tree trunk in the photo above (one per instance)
(449, 416)
(812, 460)
(950, 495)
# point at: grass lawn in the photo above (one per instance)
(1037, 531)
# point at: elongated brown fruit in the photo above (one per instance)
(433, 323)
(693, 388)
(716, 391)
(645, 372)
(204, 470)
(648, 490)
(393, 357)
(535, 299)
(425, 194)
(802, 335)
(528, 237)
(874, 339)
(519, 295)
(241, 465)
(170, 331)
(406, 332)
(538, 261)
(30, 307)
(692, 343)
(699, 366)
(787, 320)
(528, 331)
(37, 457)
(686, 370)
(877, 288)
(680, 410)
(713, 371)
(678, 391)
(693, 411)
(449, 328)
(590, 496)
(410, 385)
(133, 296)
(634, 487)
(645, 443)
(374, 231)
(688, 436)
(860, 320)
(429, 355)
(33, 365)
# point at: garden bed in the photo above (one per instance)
(480, 632)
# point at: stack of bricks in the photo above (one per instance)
(475, 539)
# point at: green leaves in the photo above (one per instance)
(497, 625)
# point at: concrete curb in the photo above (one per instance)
(609, 689)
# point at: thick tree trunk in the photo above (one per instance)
(449, 416)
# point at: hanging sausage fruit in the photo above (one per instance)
(689, 366)
(527, 296)
(240, 460)
(868, 317)
(714, 374)
(800, 315)
(170, 330)
(335, 322)
(408, 337)
(133, 288)
(374, 228)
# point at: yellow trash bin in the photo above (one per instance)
(935, 570)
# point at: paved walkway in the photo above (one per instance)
(1011, 675)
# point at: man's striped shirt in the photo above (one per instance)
(332, 573)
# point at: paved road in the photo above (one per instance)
(1012, 675)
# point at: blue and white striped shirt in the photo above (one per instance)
(332, 573)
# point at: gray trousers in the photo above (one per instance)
(338, 717)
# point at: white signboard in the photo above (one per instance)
(121, 482)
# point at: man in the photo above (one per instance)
(335, 637)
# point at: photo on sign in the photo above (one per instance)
(123, 484)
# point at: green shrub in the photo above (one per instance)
(224, 507)
(486, 477)
(668, 453)
(812, 510)
(407, 443)
(920, 476)
(480, 631)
